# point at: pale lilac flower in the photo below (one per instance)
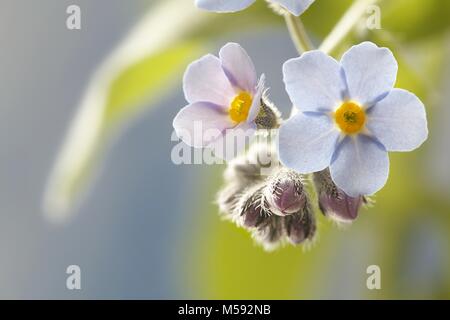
(296, 7)
(351, 117)
(224, 100)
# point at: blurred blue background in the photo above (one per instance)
(124, 233)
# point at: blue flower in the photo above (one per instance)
(296, 7)
(351, 116)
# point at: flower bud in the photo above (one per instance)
(285, 193)
(300, 226)
(341, 207)
(270, 232)
(268, 116)
(252, 216)
(254, 210)
(334, 202)
(274, 208)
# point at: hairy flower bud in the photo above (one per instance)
(341, 207)
(270, 232)
(300, 226)
(274, 207)
(285, 193)
(334, 202)
(268, 117)
(252, 217)
(255, 211)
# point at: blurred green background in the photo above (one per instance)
(177, 246)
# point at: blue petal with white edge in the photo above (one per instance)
(370, 72)
(223, 5)
(360, 166)
(314, 82)
(307, 142)
(399, 121)
(296, 7)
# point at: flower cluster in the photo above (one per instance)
(350, 116)
(275, 207)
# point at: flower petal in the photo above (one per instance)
(238, 67)
(296, 7)
(360, 166)
(307, 142)
(201, 123)
(314, 82)
(233, 141)
(205, 80)
(399, 121)
(256, 103)
(370, 72)
(223, 5)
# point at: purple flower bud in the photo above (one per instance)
(254, 211)
(296, 231)
(300, 226)
(270, 232)
(341, 206)
(285, 194)
(252, 216)
(334, 202)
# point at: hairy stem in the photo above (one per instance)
(298, 33)
(345, 25)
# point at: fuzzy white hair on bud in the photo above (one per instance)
(274, 208)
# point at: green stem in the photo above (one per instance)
(298, 33)
(348, 21)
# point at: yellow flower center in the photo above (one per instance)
(350, 117)
(240, 107)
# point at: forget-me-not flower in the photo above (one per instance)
(351, 117)
(296, 7)
(224, 97)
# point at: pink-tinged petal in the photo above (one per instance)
(256, 103)
(370, 72)
(399, 121)
(201, 123)
(296, 7)
(314, 82)
(360, 166)
(223, 5)
(233, 141)
(205, 80)
(238, 67)
(307, 142)
(340, 206)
